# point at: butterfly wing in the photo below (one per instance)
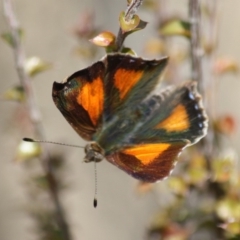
(164, 125)
(148, 162)
(177, 114)
(111, 103)
(81, 99)
(129, 79)
(90, 97)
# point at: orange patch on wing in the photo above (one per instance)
(177, 121)
(91, 97)
(146, 153)
(124, 80)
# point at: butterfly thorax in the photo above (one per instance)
(94, 153)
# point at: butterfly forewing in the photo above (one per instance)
(128, 81)
(104, 89)
(81, 99)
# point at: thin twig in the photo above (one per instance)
(34, 113)
(129, 14)
(196, 51)
(119, 40)
(197, 74)
(132, 9)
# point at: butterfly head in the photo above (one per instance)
(94, 153)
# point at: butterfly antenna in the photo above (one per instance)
(42, 141)
(95, 194)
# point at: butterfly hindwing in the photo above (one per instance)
(173, 115)
(177, 115)
(155, 132)
(148, 162)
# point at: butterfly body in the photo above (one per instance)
(113, 104)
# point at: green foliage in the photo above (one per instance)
(9, 39)
(175, 27)
(15, 93)
(35, 65)
(27, 151)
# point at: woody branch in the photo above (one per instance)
(195, 47)
(34, 113)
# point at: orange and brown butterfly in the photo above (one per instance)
(113, 105)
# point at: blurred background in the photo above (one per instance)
(52, 33)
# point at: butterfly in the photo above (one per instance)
(114, 105)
